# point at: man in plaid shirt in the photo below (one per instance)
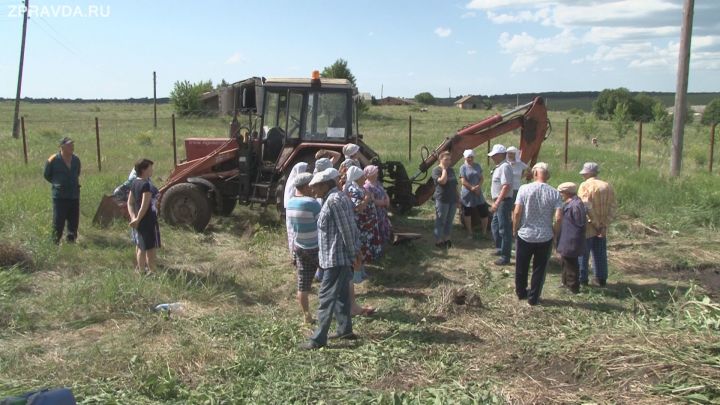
(339, 244)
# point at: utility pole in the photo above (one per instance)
(154, 100)
(681, 89)
(449, 93)
(381, 90)
(16, 119)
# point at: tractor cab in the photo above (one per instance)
(292, 112)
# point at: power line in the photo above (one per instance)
(67, 48)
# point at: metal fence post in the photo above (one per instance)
(97, 143)
(174, 142)
(712, 144)
(22, 126)
(409, 138)
(488, 154)
(567, 132)
(639, 159)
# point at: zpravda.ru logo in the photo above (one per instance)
(60, 11)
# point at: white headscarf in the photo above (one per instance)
(300, 167)
(353, 173)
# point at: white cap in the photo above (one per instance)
(468, 153)
(302, 179)
(590, 168)
(322, 164)
(497, 149)
(325, 175)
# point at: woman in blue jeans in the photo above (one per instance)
(446, 200)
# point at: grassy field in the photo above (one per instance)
(449, 329)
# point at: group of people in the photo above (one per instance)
(535, 215)
(337, 222)
(62, 171)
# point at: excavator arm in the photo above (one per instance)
(530, 118)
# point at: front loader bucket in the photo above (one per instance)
(109, 210)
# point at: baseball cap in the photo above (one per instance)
(497, 149)
(590, 167)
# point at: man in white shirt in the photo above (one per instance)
(501, 193)
(535, 206)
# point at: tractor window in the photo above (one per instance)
(295, 104)
(326, 117)
(275, 112)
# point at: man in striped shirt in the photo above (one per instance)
(339, 251)
(302, 213)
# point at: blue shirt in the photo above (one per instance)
(338, 234)
(539, 202)
(472, 175)
(302, 213)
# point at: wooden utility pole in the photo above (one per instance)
(681, 89)
(15, 131)
(154, 100)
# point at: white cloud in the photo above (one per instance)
(469, 14)
(522, 63)
(471, 52)
(611, 33)
(443, 32)
(234, 59)
(491, 4)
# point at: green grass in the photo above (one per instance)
(79, 316)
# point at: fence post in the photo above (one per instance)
(712, 144)
(97, 143)
(488, 154)
(639, 159)
(567, 132)
(25, 152)
(174, 144)
(409, 138)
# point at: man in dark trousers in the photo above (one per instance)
(62, 170)
(339, 255)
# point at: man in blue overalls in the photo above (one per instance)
(62, 170)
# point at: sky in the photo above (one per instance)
(109, 48)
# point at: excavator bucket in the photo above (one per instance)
(109, 210)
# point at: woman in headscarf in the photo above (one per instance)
(344, 166)
(365, 214)
(518, 167)
(300, 167)
(382, 202)
(366, 219)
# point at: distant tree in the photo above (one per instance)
(641, 107)
(712, 113)
(588, 126)
(373, 101)
(661, 129)
(185, 97)
(338, 70)
(621, 121)
(222, 84)
(425, 98)
(604, 106)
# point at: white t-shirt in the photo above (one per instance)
(501, 175)
(539, 202)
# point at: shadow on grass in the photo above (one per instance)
(660, 292)
(399, 316)
(590, 306)
(397, 293)
(219, 281)
(437, 336)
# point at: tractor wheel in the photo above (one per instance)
(186, 204)
(228, 205)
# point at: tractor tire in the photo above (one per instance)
(228, 205)
(186, 204)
